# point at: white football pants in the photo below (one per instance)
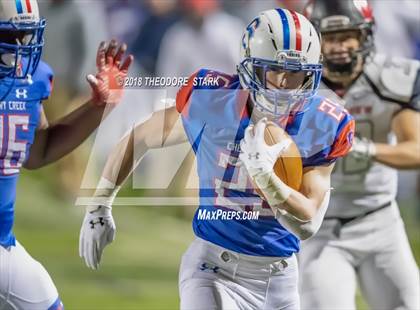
(374, 251)
(212, 277)
(24, 282)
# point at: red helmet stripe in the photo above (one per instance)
(298, 32)
(28, 6)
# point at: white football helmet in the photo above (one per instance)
(21, 38)
(282, 42)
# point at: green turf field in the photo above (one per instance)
(139, 270)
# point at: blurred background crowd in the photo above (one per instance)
(174, 38)
(167, 38)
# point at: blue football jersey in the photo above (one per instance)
(19, 118)
(215, 117)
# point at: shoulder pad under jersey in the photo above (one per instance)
(327, 93)
(393, 78)
(43, 79)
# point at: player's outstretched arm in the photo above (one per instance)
(164, 128)
(406, 153)
(302, 210)
(53, 141)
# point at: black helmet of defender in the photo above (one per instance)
(331, 16)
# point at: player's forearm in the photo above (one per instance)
(405, 155)
(300, 206)
(63, 136)
(148, 135)
(303, 229)
(121, 162)
(129, 152)
(119, 166)
(280, 195)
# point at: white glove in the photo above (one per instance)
(98, 227)
(98, 230)
(363, 148)
(257, 156)
(259, 159)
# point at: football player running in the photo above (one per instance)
(27, 140)
(240, 263)
(362, 237)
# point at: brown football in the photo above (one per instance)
(288, 166)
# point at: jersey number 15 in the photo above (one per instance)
(12, 150)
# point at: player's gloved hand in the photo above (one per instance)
(256, 155)
(98, 227)
(108, 83)
(363, 148)
(98, 230)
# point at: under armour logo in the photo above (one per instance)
(99, 221)
(21, 93)
(256, 156)
(205, 266)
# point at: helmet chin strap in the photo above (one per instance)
(258, 111)
(345, 69)
(341, 69)
(258, 114)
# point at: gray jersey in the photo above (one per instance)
(386, 86)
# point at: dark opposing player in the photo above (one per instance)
(362, 238)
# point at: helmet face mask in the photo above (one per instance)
(276, 88)
(21, 40)
(280, 78)
(21, 37)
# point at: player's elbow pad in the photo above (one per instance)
(304, 229)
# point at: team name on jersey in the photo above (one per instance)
(231, 146)
(13, 105)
